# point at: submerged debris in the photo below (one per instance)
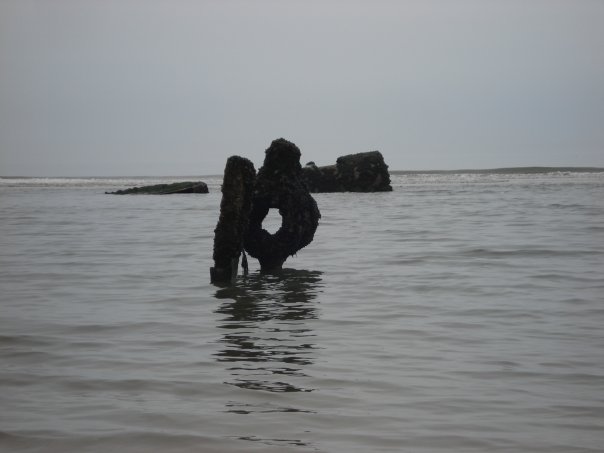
(362, 172)
(282, 183)
(165, 189)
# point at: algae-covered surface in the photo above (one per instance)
(165, 189)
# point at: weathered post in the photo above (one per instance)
(237, 186)
(279, 185)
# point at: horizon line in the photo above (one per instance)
(501, 170)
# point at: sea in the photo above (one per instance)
(461, 312)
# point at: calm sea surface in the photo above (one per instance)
(459, 313)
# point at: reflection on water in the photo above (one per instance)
(266, 338)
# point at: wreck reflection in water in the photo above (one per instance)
(266, 334)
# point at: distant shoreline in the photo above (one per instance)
(503, 170)
(500, 171)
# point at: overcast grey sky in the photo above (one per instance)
(173, 87)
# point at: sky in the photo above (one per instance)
(174, 87)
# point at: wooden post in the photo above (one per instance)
(279, 185)
(239, 176)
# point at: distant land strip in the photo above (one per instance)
(503, 171)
